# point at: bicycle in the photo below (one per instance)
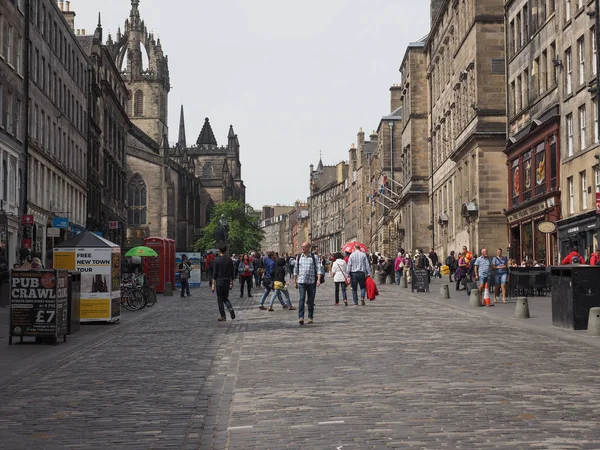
(132, 298)
(139, 281)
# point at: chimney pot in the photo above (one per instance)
(83, 31)
(68, 5)
(61, 5)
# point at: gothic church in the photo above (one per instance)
(170, 189)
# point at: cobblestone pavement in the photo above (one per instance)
(401, 372)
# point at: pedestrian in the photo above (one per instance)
(259, 269)
(433, 257)
(236, 263)
(222, 282)
(306, 279)
(359, 269)
(245, 269)
(482, 270)
(185, 269)
(574, 257)
(267, 280)
(208, 263)
(461, 271)
(339, 272)
(595, 258)
(280, 286)
(500, 268)
(399, 267)
(452, 264)
(291, 264)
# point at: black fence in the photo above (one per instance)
(528, 281)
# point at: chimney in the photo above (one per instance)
(435, 8)
(395, 95)
(373, 136)
(68, 14)
(360, 138)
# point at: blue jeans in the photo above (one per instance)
(311, 290)
(277, 293)
(185, 287)
(358, 278)
(398, 276)
(340, 285)
(266, 294)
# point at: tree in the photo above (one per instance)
(244, 233)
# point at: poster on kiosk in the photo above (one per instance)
(99, 262)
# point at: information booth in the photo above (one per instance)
(155, 267)
(99, 262)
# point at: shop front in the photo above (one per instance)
(534, 194)
(582, 231)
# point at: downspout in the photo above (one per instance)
(26, 50)
(597, 37)
(507, 106)
(431, 160)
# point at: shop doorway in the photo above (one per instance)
(515, 244)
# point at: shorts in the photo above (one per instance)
(483, 279)
(500, 278)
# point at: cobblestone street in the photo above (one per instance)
(402, 372)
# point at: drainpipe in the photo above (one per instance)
(431, 160)
(26, 121)
(597, 37)
(391, 124)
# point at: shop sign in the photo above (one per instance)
(546, 227)
(527, 212)
(597, 202)
(27, 219)
(113, 225)
(60, 222)
(53, 232)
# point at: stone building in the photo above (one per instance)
(107, 141)
(299, 227)
(467, 125)
(12, 128)
(326, 206)
(218, 167)
(277, 237)
(533, 147)
(580, 155)
(57, 86)
(410, 97)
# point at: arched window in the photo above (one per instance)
(207, 170)
(138, 103)
(136, 201)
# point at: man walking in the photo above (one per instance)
(306, 279)
(184, 276)
(222, 282)
(359, 269)
(482, 270)
(267, 279)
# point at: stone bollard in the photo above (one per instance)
(168, 289)
(594, 322)
(474, 300)
(403, 282)
(444, 292)
(390, 279)
(522, 310)
(377, 276)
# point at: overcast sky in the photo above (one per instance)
(293, 78)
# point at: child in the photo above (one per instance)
(279, 286)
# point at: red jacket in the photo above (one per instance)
(569, 258)
(594, 260)
(371, 287)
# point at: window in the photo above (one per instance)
(567, 10)
(9, 113)
(570, 135)
(579, 4)
(582, 128)
(553, 67)
(526, 23)
(595, 104)
(207, 170)
(535, 77)
(583, 178)
(526, 88)
(19, 53)
(597, 178)
(4, 181)
(518, 42)
(13, 181)
(136, 201)
(138, 103)
(544, 72)
(511, 39)
(569, 64)
(8, 43)
(18, 120)
(581, 50)
(571, 195)
(594, 51)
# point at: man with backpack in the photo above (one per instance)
(574, 257)
(452, 264)
(306, 279)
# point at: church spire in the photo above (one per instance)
(207, 137)
(181, 141)
(320, 166)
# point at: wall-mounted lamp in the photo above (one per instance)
(557, 62)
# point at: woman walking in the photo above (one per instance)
(461, 271)
(280, 286)
(339, 273)
(246, 270)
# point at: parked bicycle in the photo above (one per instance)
(132, 298)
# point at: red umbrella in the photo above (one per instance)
(349, 247)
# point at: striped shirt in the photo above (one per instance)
(483, 265)
(305, 269)
(359, 262)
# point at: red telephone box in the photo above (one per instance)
(155, 266)
(171, 261)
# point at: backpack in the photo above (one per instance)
(575, 259)
(184, 271)
(422, 262)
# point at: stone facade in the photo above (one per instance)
(534, 146)
(580, 155)
(12, 128)
(57, 123)
(299, 227)
(467, 126)
(107, 141)
(326, 205)
(277, 237)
